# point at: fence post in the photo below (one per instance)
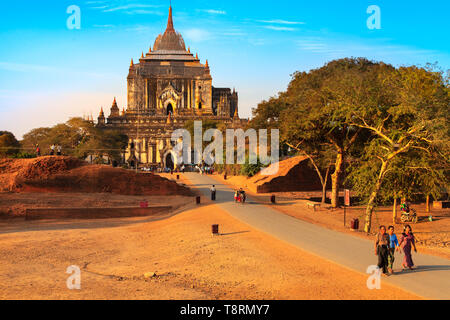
(344, 213)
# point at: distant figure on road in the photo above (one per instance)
(392, 246)
(213, 193)
(52, 150)
(58, 150)
(38, 151)
(382, 241)
(406, 241)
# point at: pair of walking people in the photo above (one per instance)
(386, 243)
(56, 148)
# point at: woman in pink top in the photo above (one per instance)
(407, 241)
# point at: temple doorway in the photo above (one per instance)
(169, 109)
(170, 162)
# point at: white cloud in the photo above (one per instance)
(212, 11)
(234, 34)
(141, 11)
(130, 6)
(105, 26)
(278, 21)
(378, 50)
(197, 35)
(139, 29)
(276, 28)
(258, 42)
(119, 6)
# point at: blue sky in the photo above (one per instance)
(49, 73)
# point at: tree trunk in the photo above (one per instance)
(324, 193)
(324, 186)
(335, 179)
(428, 203)
(373, 196)
(394, 211)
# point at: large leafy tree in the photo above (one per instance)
(320, 108)
(411, 118)
(8, 144)
(267, 114)
(79, 138)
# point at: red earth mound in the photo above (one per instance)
(67, 174)
(292, 174)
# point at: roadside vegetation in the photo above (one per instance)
(381, 131)
(77, 137)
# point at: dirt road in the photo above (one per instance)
(431, 279)
(187, 261)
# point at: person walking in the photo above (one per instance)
(393, 245)
(236, 196)
(407, 241)
(38, 151)
(382, 249)
(52, 150)
(213, 193)
(58, 150)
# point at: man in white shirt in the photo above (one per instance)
(213, 193)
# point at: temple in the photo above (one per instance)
(168, 87)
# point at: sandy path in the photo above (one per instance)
(431, 279)
(432, 237)
(189, 262)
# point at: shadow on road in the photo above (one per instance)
(424, 269)
(233, 233)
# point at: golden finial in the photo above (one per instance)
(207, 65)
(142, 56)
(150, 49)
(132, 63)
(196, 56)
(189, 49)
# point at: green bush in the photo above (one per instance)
(250, 170)
(23, 155)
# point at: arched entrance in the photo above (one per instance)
(169, 109)
(170, 164)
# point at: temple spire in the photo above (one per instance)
(170, 21)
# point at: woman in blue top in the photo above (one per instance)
(393, 245)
